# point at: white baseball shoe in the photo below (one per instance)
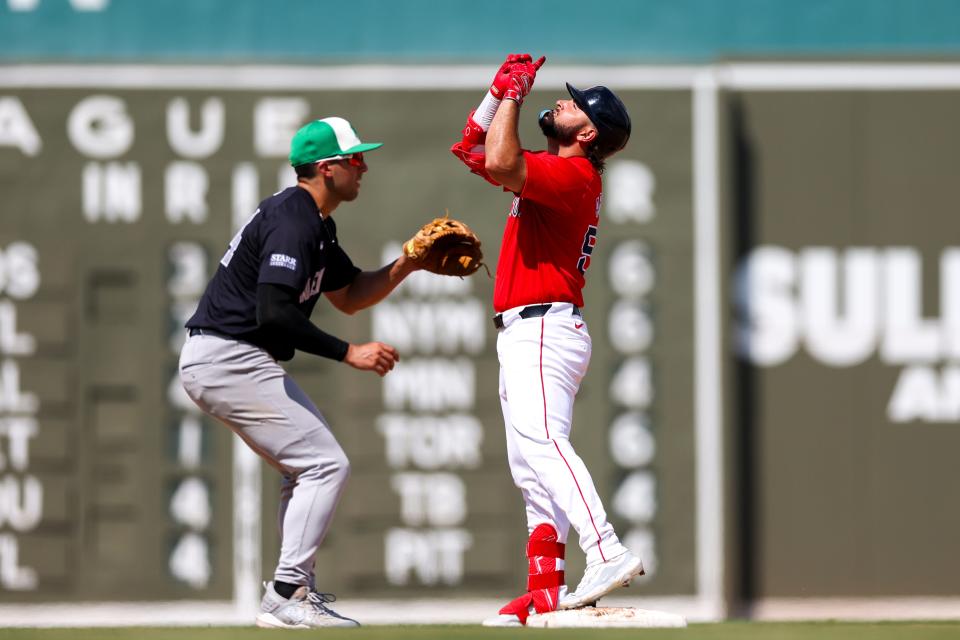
(503, 620)
(601, 578)
(305, 609)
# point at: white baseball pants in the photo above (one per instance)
(243, 387)
(542, 361)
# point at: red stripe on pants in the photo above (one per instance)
(599, 548)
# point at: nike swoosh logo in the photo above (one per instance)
(578, 325)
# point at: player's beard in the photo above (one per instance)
(565, 135)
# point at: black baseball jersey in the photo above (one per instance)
(285, 242)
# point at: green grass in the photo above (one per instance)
(723, 631)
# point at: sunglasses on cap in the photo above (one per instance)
(355, 159)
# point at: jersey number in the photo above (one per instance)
(228, 256)
(589, 242)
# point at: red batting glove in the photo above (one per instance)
(501, 81)
(522, 75)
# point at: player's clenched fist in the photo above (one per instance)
(372, 356)
(501, 81)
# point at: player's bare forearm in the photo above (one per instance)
(370, 287)
(504, 155)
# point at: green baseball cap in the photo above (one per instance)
(326, 138)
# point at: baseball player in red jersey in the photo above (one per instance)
(543, 343)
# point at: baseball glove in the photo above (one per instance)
(445, 246)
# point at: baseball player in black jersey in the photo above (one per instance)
(254, 314)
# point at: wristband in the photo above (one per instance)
(483, 116)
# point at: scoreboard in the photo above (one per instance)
(120, 194)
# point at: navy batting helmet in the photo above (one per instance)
(607, 114)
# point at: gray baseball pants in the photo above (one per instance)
(247, 390)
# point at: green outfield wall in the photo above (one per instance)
(845, 391)
(771, 410)
(118, 206)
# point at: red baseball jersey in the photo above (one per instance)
(550, 233)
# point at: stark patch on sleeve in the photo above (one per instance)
(281, 260)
